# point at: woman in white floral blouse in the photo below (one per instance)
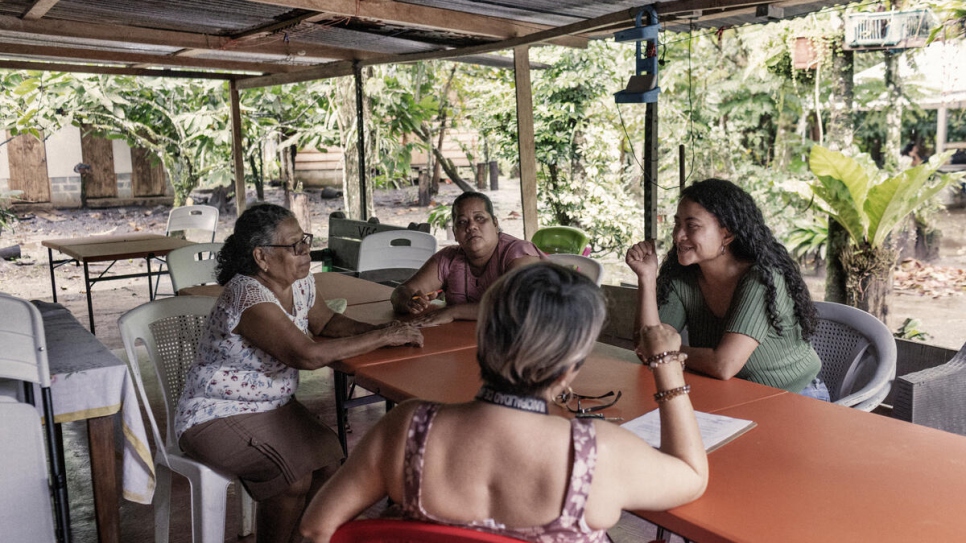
(238, 413)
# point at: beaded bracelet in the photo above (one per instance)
(666, 395)
(665, 358)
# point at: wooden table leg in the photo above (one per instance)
(100, 436)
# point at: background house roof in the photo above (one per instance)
(281, 41)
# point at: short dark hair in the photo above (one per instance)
(470, 195)
(255, 227)
(535, 323)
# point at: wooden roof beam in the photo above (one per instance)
(183, 40)
(39, 9)
(94, 55)
(109, 70)
(338, 69)
(429, 18)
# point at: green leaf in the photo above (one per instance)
(837, 193)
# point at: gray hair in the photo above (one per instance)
(535, 323)
(255, 227)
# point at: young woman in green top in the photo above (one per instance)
(734, 286)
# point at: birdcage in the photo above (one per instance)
(887, 29)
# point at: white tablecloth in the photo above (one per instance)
(88, 381)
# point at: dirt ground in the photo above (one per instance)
(934, 292)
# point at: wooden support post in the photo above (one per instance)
(424, 192)
(481, 176)
(494, 175)
(238, 154)
(526, 145)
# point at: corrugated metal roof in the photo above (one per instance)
(279, 36)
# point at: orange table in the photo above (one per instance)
(109, 249)
(457, 335)
(812, 471)
(454, 376)
(328, 285)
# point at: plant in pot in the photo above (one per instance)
(869, 204)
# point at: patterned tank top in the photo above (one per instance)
(569, 527)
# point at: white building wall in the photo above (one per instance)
(122, 157)
(123, 168)
(63, 153)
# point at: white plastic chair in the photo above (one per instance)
(395, 249)
(25, 512)
(23, 358)
(858, 354)
(189, 218)
(583, 264)
(193, 265)
(392, 257)
(169, 330)
(199, 220)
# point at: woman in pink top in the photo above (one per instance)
(463, 273)
(501, 463)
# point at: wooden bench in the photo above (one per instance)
(345, 235)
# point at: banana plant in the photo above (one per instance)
(870, 204)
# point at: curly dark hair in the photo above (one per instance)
(753, 242)
(255, 227)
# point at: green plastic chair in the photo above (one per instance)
(561, 239)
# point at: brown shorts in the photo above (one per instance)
(267, 451)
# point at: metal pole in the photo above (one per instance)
(650, 171)
(361, 143)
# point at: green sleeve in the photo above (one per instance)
(673, 311)
(748, 314)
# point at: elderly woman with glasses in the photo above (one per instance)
(502, 463)
(462, 273)
(238, 413)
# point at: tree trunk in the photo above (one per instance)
(841, 123)
(424, 196)
(869, 279)
(345, 97)
(893, 143)
(300, 207)
(835, 277)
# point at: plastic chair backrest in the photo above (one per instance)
(200, 217)
(395, 249)
(858, 354)
(23, 347)
(193, 265)
(410, 531)
(583, 264)
(23, 358)
(25, 501)
(170, 330)
(560, 239)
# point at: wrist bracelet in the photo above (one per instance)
(665, 358)
(666, 395)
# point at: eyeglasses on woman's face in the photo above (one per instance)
(300, 247)
(580, 404)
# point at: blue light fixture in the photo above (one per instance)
(642, 87)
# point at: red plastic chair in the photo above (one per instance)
(410, 531)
